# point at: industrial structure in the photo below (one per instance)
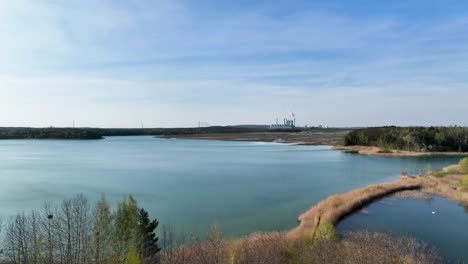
(288, 123)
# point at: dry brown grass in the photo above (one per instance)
(336, 207)
(275, 248)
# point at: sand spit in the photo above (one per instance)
(336, 207)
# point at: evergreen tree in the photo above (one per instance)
(149, 248)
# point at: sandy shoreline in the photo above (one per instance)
(375, 151)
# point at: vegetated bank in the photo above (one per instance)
(408, 141)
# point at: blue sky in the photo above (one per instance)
(172, 63)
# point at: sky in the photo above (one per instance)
(173, 63)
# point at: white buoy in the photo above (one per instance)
(433, 212)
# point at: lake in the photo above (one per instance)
(189, 184)
(437, 221)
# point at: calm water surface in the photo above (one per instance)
(242, 186)
(437, 221)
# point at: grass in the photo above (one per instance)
(325, 230)
(351, 151)
(463, 166)
(274, 248)
(439, 174)
(464, 183)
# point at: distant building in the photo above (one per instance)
(287, 123)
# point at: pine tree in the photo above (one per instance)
(148, 238)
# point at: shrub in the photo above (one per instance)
(133, 257)
(464, 165)
(325, 231)
(385, 151)
(464, 183)
(439, 174)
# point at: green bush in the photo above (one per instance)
(464, 183)
(326, 231)
(464, 165)
(439, 174)
(133, 257)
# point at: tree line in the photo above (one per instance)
(99, 133)
(411, 138)
(73, 232)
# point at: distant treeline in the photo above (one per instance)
(49, 133)
(99, 133)
(411, 138)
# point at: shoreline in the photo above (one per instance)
(309, 138)
(335, 208)
(376, 151)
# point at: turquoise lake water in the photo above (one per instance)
(189, 184)
(437, 221)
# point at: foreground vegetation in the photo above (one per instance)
(431, 139)
(277, 248)
(73, 232)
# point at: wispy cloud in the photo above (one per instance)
(169, 63)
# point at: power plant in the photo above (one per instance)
(288, 123)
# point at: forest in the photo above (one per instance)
(422, 139)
